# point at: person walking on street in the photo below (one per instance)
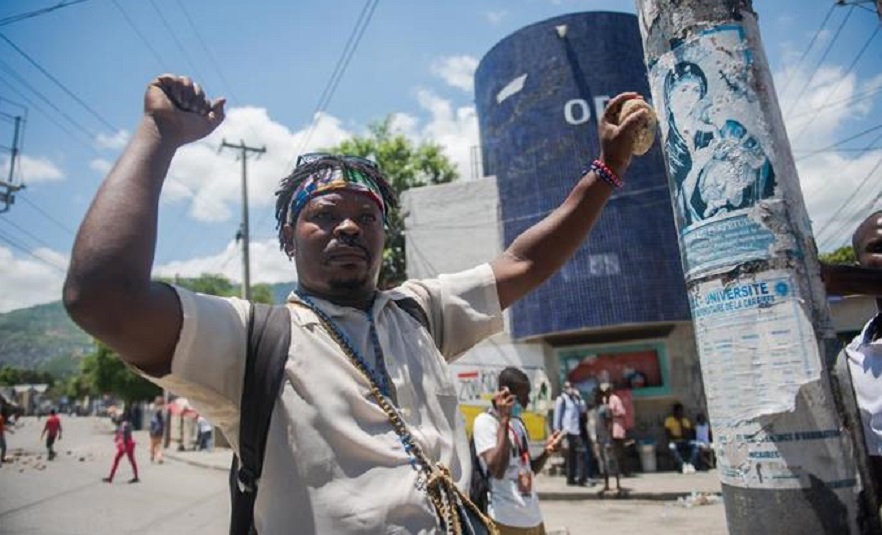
(502, 445)
(367, 411)
(3, 429)
(157, 431)
(125, 445)
(52, 432)
(568, 410)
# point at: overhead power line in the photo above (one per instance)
(345, 57)
(63, 87)
(349, 49)
(138, 32)
(820, 62)
(48, 216)
(805, 52)
(27, 233)
(38, 12)
(844, 205)
(12, 73)
(15, 244)
(174, 37)
(842, 142)
(841, 80)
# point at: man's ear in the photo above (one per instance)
(288, 234)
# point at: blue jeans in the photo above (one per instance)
(690, 445)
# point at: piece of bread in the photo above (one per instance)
(646, 134)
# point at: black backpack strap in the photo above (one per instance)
(412, 307)
(269, 339)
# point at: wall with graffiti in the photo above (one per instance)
(475, 377)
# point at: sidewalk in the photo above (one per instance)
(658, 486)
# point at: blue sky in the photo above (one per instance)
(273, 59)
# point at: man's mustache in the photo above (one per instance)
(343, 244)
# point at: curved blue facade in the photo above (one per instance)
(538, 96)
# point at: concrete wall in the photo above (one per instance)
(851, 313)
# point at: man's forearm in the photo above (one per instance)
(498, 459)
(113, 253)
(539, 462)
(851, 280)
(543, 248)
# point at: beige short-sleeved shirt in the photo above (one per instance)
(333, 463)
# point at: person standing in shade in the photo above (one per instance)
(610, 431)
(502, 445)
(125, 445)
(704, 438)
(568, 410)
(205, 431)
(52, 432)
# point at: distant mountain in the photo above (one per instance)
(42, 337)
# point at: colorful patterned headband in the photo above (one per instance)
(333, 178)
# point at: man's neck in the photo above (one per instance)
(359, 299)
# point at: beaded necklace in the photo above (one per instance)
(454, 510)
(378, 372)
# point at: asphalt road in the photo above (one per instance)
(66, 496)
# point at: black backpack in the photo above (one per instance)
(479, 488)
(269, 338)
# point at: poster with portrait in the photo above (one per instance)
(718, 153)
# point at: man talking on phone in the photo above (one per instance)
(502, 445)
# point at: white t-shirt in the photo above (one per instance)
(333, 463)
(702, 433)
(508, 505)
(865, 364)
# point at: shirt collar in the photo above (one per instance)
(873, 326)
(337, 311)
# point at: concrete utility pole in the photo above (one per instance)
(243, 229)
(9, 187)
(786, 457)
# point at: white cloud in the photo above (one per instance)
(819, 113)
(115, 141)
(457, 71)
(455, 129)
(32, 170)
(268, 264)
(495, 17)
(101, 165)
(28, 281)
(211, 182)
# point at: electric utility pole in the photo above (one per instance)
(243, 229)
(786, 457)
(9, 186)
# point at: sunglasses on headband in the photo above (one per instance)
(309, 157)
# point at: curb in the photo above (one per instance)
(612, 496)
(179, 459)
(550, 495)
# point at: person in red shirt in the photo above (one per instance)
(52, 431)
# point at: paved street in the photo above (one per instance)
(67, 496)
